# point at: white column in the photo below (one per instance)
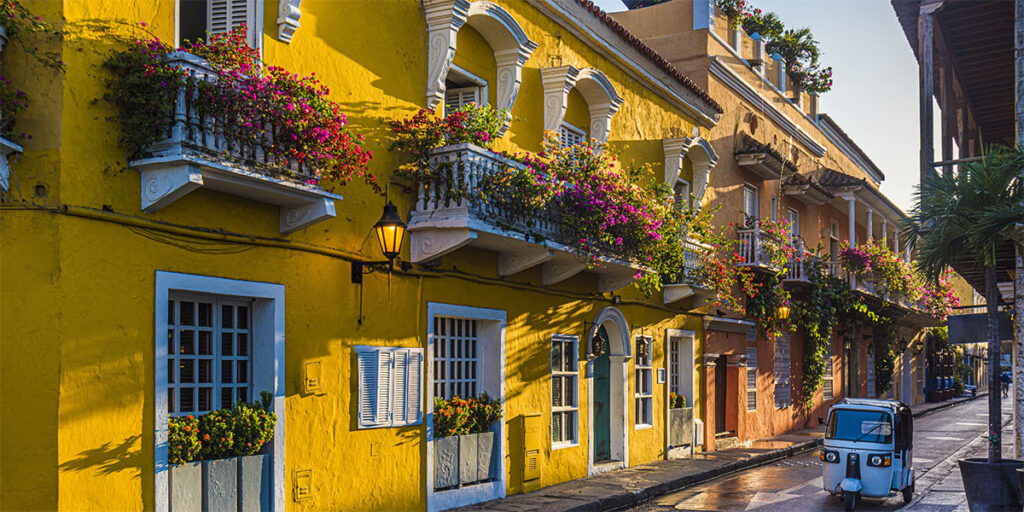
(870, 222)
(852, 201)
(896, 244)
(885, 232)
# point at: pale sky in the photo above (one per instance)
(874, 97)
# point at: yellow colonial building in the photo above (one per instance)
(142, 287)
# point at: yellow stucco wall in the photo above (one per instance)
(78, 292)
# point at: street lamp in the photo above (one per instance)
(784, 310)
(390, 230)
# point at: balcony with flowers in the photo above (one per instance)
(874, 270)
(766, 244)
(568, 209)
(213, 115)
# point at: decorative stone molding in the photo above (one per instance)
(711, 360)
(602, 99)
(7, 148)
(552, 272)
(736, 360)
(702, 156)
(433, 244)
(165, 179)
(288, 14)
(725, 324)
(506, 38)
(444, 19)
(557, 83)
(511, 263)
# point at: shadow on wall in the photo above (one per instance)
(109, 459)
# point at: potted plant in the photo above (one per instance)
(222, 455)
(971, 214)
(464, 442)
(680, 419)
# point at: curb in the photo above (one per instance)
(949, 404)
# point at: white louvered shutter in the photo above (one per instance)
(224, 15)
(455, 99)
(782, 376)
(413, 408)
(368, 378)
(400, 387)
(383, 411)
(750, 201)
(793, 217)
(751, 378)
(569, 135)
(682, 196)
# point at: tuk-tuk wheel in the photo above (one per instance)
(908, 493)
(850, 500)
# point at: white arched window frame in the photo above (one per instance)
(501, 31)
(702, 157)
(602, 99)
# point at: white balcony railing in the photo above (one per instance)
(691, 283)
(206, 151)
(751, 247)
(450, 212)
(795, 270)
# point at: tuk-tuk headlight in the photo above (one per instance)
(829, 456)
(880, 460)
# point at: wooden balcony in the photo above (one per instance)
(449, 214)
(200, 152)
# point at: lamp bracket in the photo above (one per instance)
(361, 268)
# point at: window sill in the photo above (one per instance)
(559, 445)
(643, 426)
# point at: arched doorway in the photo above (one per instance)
(608, 375)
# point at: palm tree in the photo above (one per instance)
(971, 214)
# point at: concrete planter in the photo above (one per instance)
(464, 460)
(681, 426)
(238, 483)
(991, 486)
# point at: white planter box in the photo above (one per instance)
(681, 426)
(238, 483)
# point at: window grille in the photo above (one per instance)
(209, 340)
(643, 392)
(455, 357)
(564, 388)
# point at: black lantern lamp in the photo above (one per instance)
(784, 311)
(390, 230)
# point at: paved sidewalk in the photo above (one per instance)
(638, 484)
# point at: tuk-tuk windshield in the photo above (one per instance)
(860, 425)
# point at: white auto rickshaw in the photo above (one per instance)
(868, 450)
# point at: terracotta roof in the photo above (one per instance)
(650, 54)
(834, 179)
(800, 180)
(752, 145)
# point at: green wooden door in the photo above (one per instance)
(602, 408)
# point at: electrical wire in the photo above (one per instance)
(219, 242)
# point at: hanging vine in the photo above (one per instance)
(885, 352)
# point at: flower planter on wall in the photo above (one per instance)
(238, 483)
(681, 426)
(464, 460)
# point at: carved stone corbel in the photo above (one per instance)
(444, 19)
(288, 14)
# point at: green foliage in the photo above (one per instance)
(143, 91)
(242, 430)
(969, 213)
(253, 428)
(885, 343)
(216, 434)
(817, 313)
(183, 439)
(676, 401)
(460, 416)
(18, 21)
